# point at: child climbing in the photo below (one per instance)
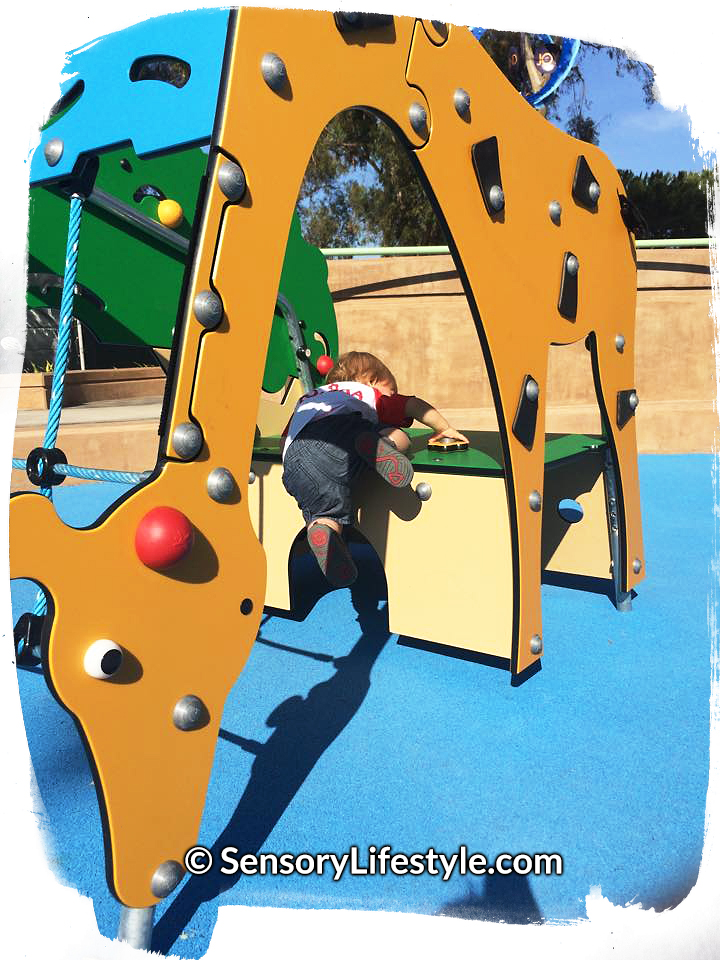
(354, 420)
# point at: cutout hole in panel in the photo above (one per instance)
(570, 510)
(64, 104)
(163, 68)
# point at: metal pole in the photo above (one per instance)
(623, 600)
(136, 926)
(698, 242)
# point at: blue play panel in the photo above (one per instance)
(336, 735)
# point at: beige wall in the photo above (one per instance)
(412, 312)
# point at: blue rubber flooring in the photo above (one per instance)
(335, 735)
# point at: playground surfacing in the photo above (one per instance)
(336, 735)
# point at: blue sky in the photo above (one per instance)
(634, 136)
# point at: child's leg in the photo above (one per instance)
(331, 552)
(383, 456)
(397, 437)
(328, 522)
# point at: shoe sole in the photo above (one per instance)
(332, 555)
(393, 466)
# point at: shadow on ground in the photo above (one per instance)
(507, 899)
(303, 728)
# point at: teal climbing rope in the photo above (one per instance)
(91, 473)
(62, 351)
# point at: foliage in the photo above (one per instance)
(674, 205)
(361, 187)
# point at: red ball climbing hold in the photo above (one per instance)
(324, 364)
(163, 537)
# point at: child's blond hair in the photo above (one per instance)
(361, 368)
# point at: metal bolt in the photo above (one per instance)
(496, 197)
(190, 713)
(220, 484)
(619, 343)
(461, 100)
(423, 491)
(273, 71)
(555, 211)
(418, 118)
(208, 309)
(167, 876)
(637, 565)
(594, 191)
(532, 390)
(633, 401)
(572, 265)
(232, 182)
(246, 607)
(53, 151)
(536, 644)
(251, 477)
(302, 353)
(187, 440)
(535, 501)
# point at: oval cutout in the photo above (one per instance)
(570, 510)
(67, 100)
(160, 67)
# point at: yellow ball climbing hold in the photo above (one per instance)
(170, 213)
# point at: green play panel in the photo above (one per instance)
(483, 456)
(130, 279)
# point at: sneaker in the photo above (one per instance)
(384, 457)
(332, 555)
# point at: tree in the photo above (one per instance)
(674, 205)
(360, 186)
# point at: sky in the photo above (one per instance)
(635, 137)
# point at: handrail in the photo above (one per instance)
(681, 243)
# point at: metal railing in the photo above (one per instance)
(699, 243)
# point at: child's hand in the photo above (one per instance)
(451, 434)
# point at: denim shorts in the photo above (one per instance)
(321, 464)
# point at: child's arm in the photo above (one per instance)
(421, 410)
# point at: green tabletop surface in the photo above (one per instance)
(483, 456)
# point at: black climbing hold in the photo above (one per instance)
(526, 413)
(585, 188)
(486, 163)
(148, 190)
(568, 299)
(627, 402)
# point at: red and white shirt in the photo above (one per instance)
(347, 397)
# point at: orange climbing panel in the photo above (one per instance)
(533, 277)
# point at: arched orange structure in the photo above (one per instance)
(533, 277)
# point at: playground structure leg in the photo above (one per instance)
(136, 926)
(622, 599)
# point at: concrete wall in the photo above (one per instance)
(413, 313)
